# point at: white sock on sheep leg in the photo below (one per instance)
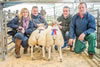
(52, 49)
(49, 54)
(32, 52)
(60, 52)
(43, 50)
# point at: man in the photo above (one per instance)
(43, 12)
(65, 18)
(36, 18)
(83, 26)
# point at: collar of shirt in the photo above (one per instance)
(35, 17)
(83, 15)
(66, 17)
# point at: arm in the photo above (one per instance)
(91, 25)
(58, 19)
(60, 26)
(13, 23)
(46, 24)
(72, 31)
(72, 28)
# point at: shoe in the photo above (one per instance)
(91, 56)
(71, 49)
(25, 50)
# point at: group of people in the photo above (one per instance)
(81, 28)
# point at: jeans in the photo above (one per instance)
(22, 37)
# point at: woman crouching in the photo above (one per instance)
(24, 27)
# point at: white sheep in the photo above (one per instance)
(47, 38)
(54, 37)
(37, 38)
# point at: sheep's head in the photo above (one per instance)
(56, 23)
(41, 26)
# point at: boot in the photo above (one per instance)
(91, 56)
(17, 47)
(71, 49)
(25, 50)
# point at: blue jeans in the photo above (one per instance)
(65, 41)
(22, 37)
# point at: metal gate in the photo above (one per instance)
(2, 34)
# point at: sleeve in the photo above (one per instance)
(58, 19)
(72, 28)
(45, 22)
(13, 23)
(91, 25)
(34, 23)
(67, 25)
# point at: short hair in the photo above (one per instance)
(34, 7)
(83, 3)
(66, 7)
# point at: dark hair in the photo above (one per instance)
(83, 3)
(66, 7)
(34, 7)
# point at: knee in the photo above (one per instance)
(92, 36)
(67, 35)
(19, 35)
(25, 42)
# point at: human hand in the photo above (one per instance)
(70, 42)
(60, 27)
(23, 30)
(81, 37)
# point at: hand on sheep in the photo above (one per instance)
(59, 23)
(40, 25)
(70, 41)
(60, 27)
(81, 37)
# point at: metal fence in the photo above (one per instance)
(2, 36)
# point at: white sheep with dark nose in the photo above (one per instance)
(54, 37)
(38, 37)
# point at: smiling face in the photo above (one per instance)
(35, 11)
(25, 13)
(66, 12)
(82, 9)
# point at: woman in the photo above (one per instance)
(24, 27)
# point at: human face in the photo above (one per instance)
(66, 12)
(82, 9)
(35, 11)
(25, 13)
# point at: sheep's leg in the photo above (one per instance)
(30, 49)
(49, 54)
(43, 50)
(60, 52)
(32, 53)
(52, 49)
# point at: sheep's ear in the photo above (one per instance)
(59, 22)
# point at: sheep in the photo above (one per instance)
(50, 36)
(37, 37)
(54, 37)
